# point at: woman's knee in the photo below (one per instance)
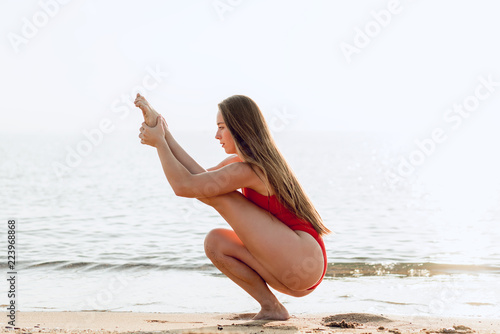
(213, 242)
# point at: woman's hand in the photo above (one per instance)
(153, 136)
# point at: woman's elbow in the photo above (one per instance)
(184, 191)
(180, 191)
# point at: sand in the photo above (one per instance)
(121, 322)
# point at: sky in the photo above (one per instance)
(387, 66)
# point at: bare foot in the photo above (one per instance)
(275, 312)
(150, 115)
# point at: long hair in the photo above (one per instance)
(253, 139)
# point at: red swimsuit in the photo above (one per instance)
(271, 204)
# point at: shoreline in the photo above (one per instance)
(121, 322)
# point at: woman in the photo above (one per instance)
(276, 232)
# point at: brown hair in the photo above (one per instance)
(253, 139)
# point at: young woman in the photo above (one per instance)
(276, 232)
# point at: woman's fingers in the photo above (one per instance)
(151, 135)
(141, 135)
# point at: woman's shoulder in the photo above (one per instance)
(246, 170)
(229, 160)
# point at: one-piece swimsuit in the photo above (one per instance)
(271, 204)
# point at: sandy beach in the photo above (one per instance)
(122, 322)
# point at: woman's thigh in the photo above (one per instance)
(225, 242)
(294, 258)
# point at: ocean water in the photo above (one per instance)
(98, 227)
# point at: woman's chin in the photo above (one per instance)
(227, 151)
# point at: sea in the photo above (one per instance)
(416, 225)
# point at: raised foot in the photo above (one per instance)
(277, 312)
(150, 115)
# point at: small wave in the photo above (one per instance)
(348, 269)
(95, 266)
(355, 269)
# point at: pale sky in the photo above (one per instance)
(84, 57)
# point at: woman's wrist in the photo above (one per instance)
(162, 143)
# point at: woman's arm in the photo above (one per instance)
(207, 184)
(187, 161)
(204, 184)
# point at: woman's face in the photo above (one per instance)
(224, 136)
